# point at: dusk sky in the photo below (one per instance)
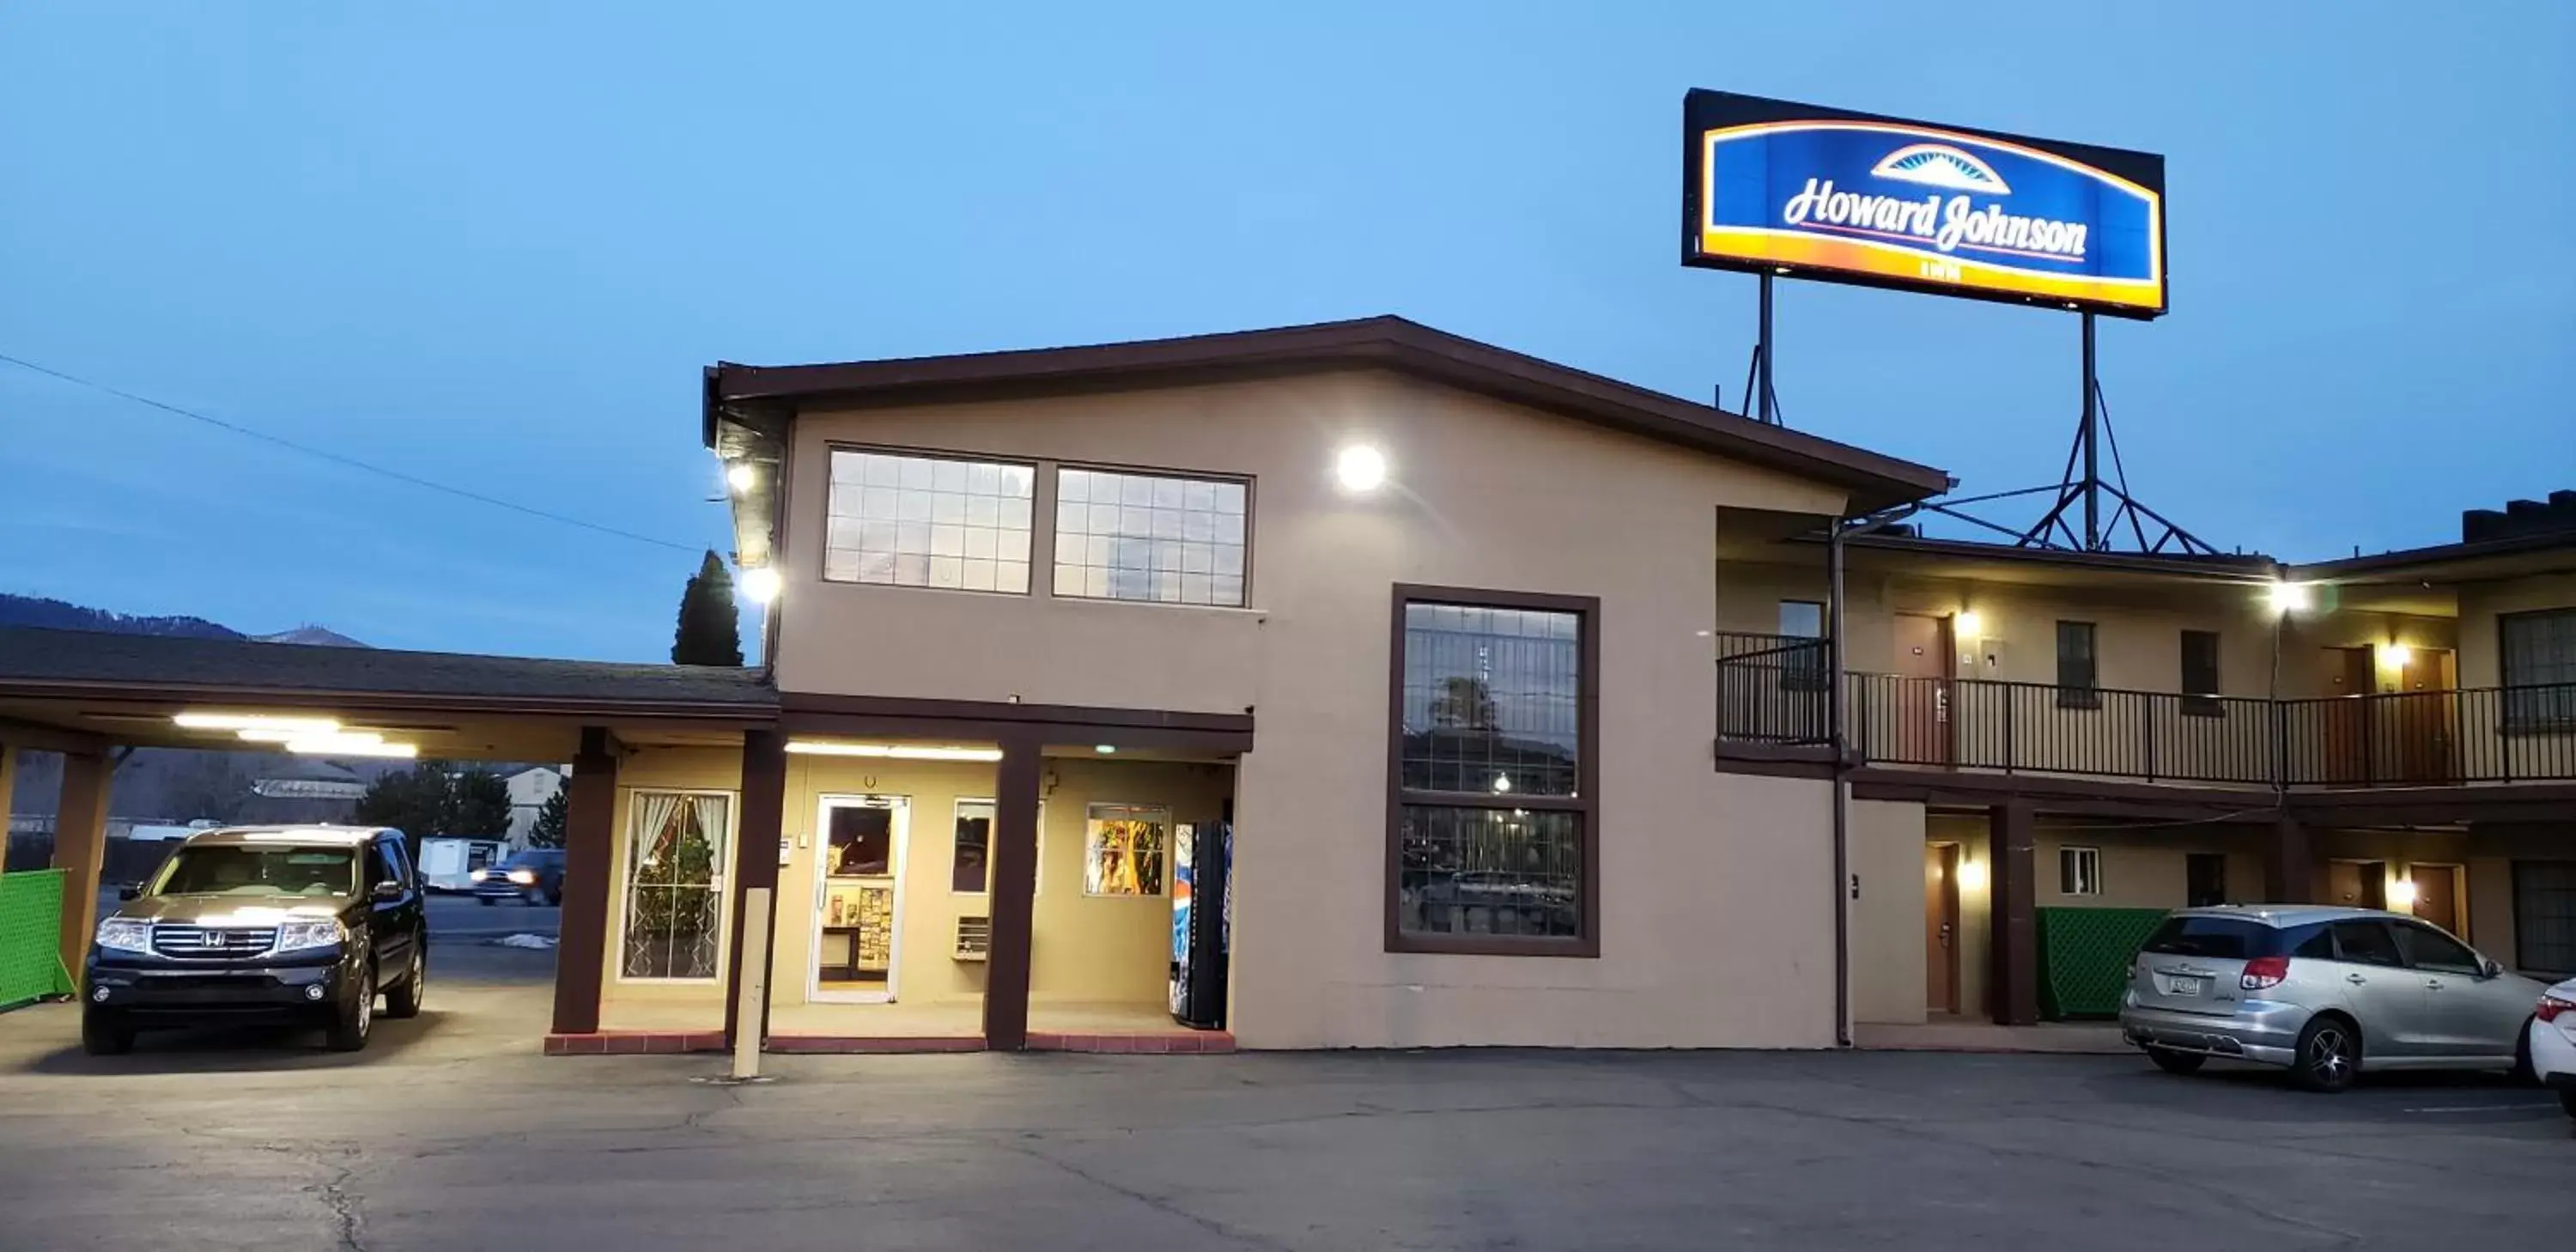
(493, 245)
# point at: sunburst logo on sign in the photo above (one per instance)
(1940, 165)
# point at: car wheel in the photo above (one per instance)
(356, 1019)
(2523, 1074)
(554, 898)
(485, 901)
(404, 1000)
(533, 897)
(2567, 1100)
(106, 1032)
(2173, 1062)
(2329, 1055)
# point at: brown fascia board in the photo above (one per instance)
(2249, 567)
(2414, 559)
(1875, 481)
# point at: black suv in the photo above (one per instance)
(300, 923)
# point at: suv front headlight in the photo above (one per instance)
(125, 934)
(298, 936)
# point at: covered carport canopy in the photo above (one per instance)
(86, 694)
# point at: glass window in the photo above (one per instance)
(2544, 916)
(1157, 537)
(2200, 672)
(2315, 943)
(1493, 822)
(2366, 943)
(2076, 685)
(2204, 879)
(2539, 669)
(379, 868)
(255, 869)
(970, 866)
(675, 844)
(1123, 850)
(903, 520)
(2430, 949)
(1802, 619)
(2079, 871)
(2233, 938)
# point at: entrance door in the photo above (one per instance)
(2351, 673)
(858, 899)
(2426, 713)
(1922, 712)
(1941, 927)
(2437, 895)
(2357, 884)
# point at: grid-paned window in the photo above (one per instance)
(2539, 669)
(1494, 758)
(2079, 871)
(2077, 687)
(1121, 535)
(906, 520)
(2544, 916)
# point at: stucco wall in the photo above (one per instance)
(1716, 922)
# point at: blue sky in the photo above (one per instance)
(495, 243)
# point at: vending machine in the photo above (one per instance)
(1201, 854)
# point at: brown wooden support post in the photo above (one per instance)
(1015, 884)
(80, 848)
(755, 864)
(590, 842)
(2012, 914)
(2289, 863)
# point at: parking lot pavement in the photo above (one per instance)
(450, 1132)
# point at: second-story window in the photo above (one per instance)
(2077, 687)
(2200, 673)
(1803, 665)
(907, 520)
(1121, 535)
(2538, 656)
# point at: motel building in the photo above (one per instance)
(1510, 686)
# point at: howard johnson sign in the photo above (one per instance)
(1852, 197)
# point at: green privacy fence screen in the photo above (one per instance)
(31, 911)
(2084, 958)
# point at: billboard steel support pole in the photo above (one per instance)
(1764, 411)
(2092, 446)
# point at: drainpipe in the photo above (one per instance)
(1834, 720)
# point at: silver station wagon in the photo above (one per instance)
(2323, 993)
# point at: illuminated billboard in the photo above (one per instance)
(1772, 186)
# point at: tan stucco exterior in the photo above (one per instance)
(1716, 925)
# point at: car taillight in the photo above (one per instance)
(2552, 1008)
(2264, 971)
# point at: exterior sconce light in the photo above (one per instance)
(1360, 468)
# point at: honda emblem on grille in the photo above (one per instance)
(210, 938)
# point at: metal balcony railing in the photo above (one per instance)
(1774, 689)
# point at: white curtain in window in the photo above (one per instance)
(652, 817)
(710, 812)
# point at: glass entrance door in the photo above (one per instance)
(858, 898)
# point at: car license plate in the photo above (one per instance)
(2183, 986)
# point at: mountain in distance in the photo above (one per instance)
(61, 615)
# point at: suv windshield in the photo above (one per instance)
(2227, 938)
(533, 859)
(234, 869)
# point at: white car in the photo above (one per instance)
(2553, 1042)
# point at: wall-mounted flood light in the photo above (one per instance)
(1360, 468)
(740, 476)
(759, 584)
(2291, 597)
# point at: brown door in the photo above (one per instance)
(1922, 697)
(2352, 675)
(2426, 712)
(2437, 895)
(1941, 927)
(2357, 884)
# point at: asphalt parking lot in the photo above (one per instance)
(450, 1132)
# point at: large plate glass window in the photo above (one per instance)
(1121, 535)
(1125, 850)
(674, 898)
(907, 520)
(1495, 756)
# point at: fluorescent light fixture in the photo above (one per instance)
(2291, 597)
(349, 743)
(897, 751)
(740, 476)
(256, 721)
(1360, 468)
(1104, 749)
(759, 584)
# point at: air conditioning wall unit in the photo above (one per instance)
(974, 939)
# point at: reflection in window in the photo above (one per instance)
(1123, 850)
(1124, 536)
(920, 521)
(1490, 700)
(970, 866)
(1480, 871)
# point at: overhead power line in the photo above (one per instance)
(347, 461)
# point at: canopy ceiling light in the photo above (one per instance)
(898, 751)
(351, 743)
(261, 722)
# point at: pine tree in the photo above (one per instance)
(710, 632)
(552, 816)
